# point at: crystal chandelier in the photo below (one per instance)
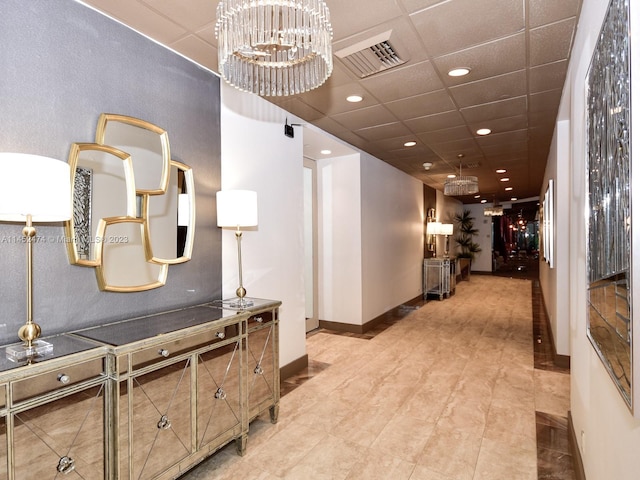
(274, 47)
(461, 185)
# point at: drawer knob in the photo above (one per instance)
(259, 319)
(64, 378)
(220, 335)
(258, 370)
(66, 465)
(220, 394)
(163, 352)
(164, 423)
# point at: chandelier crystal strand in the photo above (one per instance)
(274, 47)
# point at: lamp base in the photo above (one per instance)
(22, 352)
(241, 302)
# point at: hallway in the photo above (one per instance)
(449, 392)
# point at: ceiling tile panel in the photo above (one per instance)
(487, 60)
(365, 117)
(402, 82)
(193, 14)
(453, 25)
(421, 105)
(500, 126)
(330, 101)
(450, 150)
(500, 109)
(548, 77)
(545, 101)
(551, 42)
(549, 11)
(412, 6)
(198, 50)
(299, 108)
(490, 90)
(517, 136)
(354, 16)
(388, 130)
(438, 121)
(141, 18)
(448, 134)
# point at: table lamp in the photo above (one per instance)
(35, 189)
(446, 229)
(238, 208)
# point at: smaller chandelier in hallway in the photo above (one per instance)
(461, 184)
(274, 47)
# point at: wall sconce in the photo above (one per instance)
(38, 189)
(433, 228)
(238, 208)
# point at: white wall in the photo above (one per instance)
(257, 156)
(557, 303)
(608, 435)
(371, 232)
(483, 260)
(392, 237)
(339, 240)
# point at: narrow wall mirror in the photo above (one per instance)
(134, 207)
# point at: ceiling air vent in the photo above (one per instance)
(371, 56)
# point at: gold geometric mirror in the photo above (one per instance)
(133, 207)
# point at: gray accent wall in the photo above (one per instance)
(62, 64)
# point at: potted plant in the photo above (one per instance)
(464, 239)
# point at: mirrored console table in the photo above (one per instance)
(53, 412)
(144, 398)
(439, 277)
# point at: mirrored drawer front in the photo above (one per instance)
(260, 319)
(162, 351)
(56, 379)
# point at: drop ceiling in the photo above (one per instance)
(517, 52)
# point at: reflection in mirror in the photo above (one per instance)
(103, 186)
(122, 250)
(171, 217)
(147, 144)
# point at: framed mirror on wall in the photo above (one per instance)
(133, 206)
(610, 326)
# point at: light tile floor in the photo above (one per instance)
(447, 393)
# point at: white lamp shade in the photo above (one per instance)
(36, 186)
(237, 208)
(433, 228)
(446, 229)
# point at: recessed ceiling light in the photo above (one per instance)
(459, 72)
(354, 98)
(508, 189)
(513, 199)
(505, 179)
(410, 144)
(483, 131)
(325, 152)
(483, 200)
(501, 170)
(451, 175)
